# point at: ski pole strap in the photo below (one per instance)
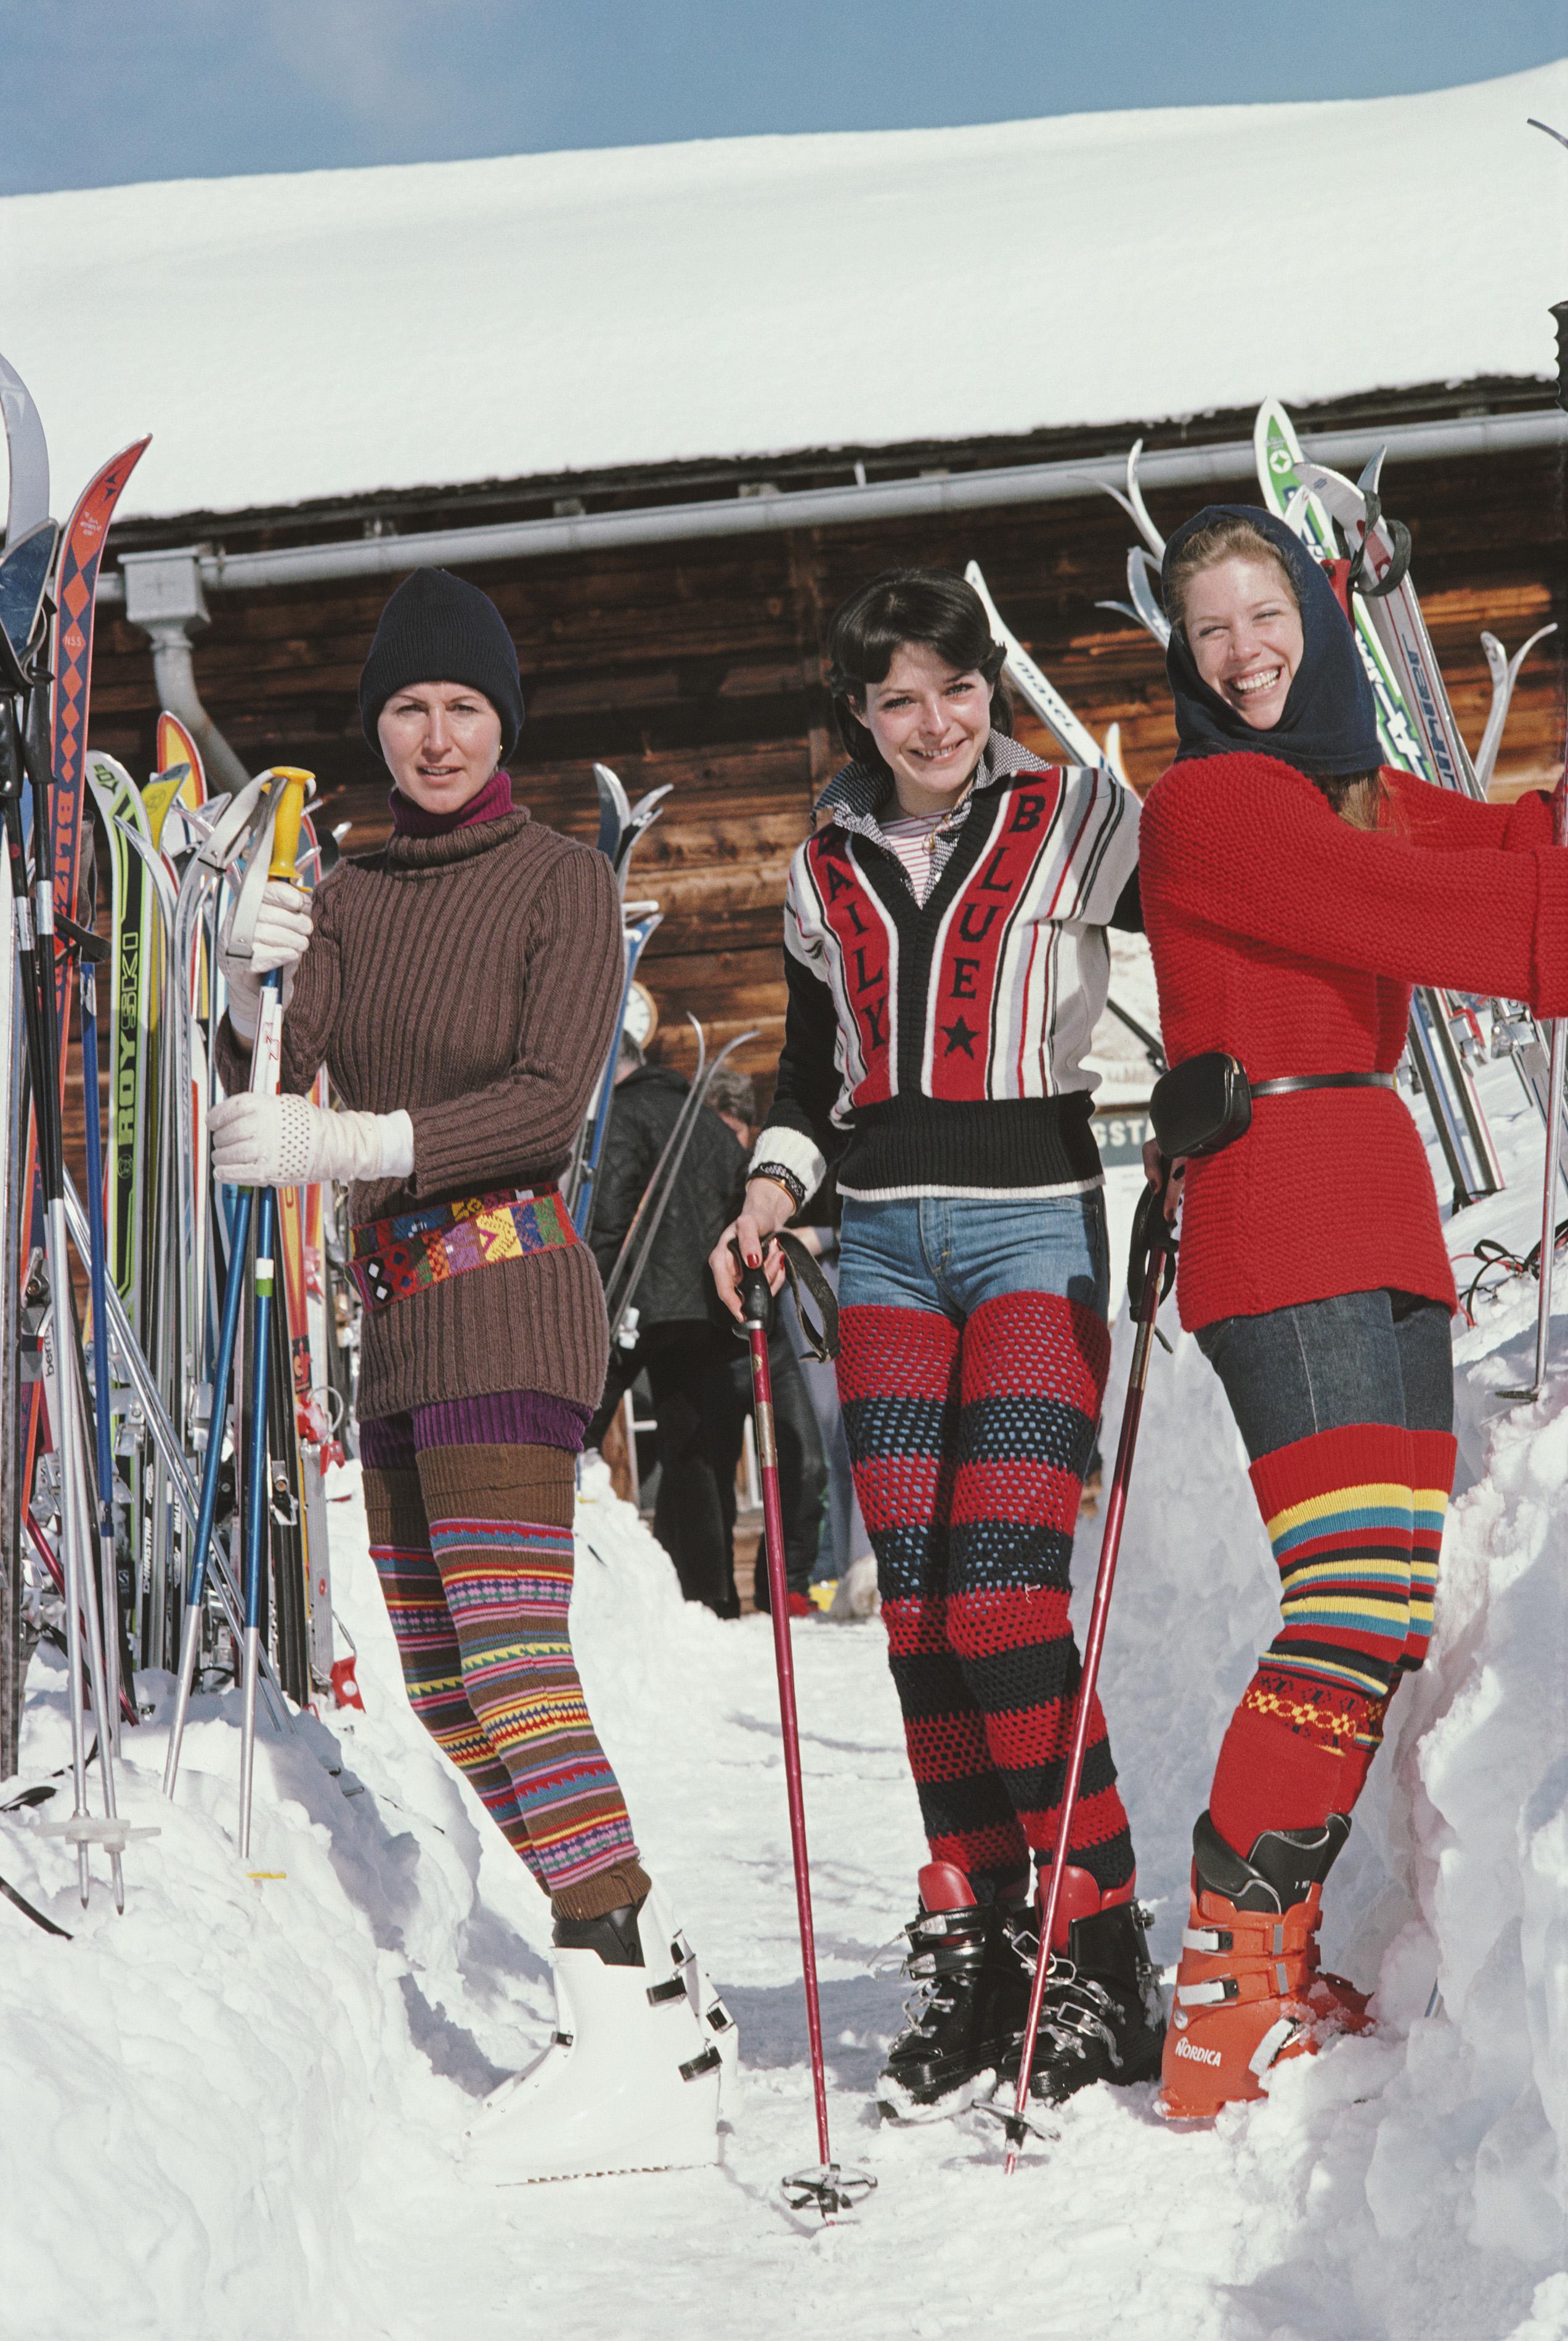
(1149, 1222)
(390, 1260)
(806, 1277)
(20, 1902)
(1398, 568)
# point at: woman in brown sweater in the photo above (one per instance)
(461, 985)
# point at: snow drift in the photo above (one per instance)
(663, 304)
(237, 2111)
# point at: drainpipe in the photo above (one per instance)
(164, 596)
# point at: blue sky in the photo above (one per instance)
(97, 92)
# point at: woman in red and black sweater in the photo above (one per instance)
(945, 934)
(1294, 893)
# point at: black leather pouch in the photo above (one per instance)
(1200, 1107)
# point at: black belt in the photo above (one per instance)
(1290, 1083)
(1201, 1106)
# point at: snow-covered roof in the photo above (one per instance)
(336, 332)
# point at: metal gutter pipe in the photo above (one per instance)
(162, 595)
(1024, 483)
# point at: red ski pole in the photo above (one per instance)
(831, 2189)
(1050, 1890)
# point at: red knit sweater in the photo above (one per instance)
(1292, 940)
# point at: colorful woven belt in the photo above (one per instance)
(393, 1259)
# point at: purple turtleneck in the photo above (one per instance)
(410, 820)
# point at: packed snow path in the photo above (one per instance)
(237, 2111)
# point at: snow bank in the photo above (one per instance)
(654, 304)
(236, 2112)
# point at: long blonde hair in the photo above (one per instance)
(1358, 798)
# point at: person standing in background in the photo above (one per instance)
(681, 1338)
(803, 1459)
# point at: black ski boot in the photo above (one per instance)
(1101, 2015)
(973, 1993)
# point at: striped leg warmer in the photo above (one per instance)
(500, 1532)
(1033, 1379)
(1338, 1510)
(898, 1384)
(427, 1646)
(1433, 1455)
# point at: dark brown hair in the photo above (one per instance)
(929, 606)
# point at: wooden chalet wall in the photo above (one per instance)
(701, 664)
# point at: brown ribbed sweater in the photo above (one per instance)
(474, 980)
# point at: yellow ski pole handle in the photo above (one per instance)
(294, 783)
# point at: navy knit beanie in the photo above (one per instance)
(437, 628)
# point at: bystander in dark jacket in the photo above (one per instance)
(675, 1332)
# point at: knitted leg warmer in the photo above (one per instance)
(427, 1648)
(500, 1534)
(1338, 1512)
(899, 1385)
(1033, 1379)
(1432, 1456)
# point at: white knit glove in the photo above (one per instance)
(286, 1141)
(282, 932)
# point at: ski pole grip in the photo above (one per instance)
(286, 829)
(1560, 317)
(756, 1296)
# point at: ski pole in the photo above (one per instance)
(1559, 315)
(90, 950)
(266, 1070)
(35, 928)
(1049, 1892)
(831, 2189)
(211, 1467)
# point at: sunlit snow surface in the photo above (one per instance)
(335, 333)
(237, 2111)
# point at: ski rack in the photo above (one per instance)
(1392, 614)
(46, 591)
(1289, 482)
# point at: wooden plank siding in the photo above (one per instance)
(701, 664)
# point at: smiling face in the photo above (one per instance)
(930, 721)
(1243, 630)
(441, 742)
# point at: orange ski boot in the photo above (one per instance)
(1249, 1992)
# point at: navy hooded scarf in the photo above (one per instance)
(1329, 727)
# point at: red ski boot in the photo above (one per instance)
(1249, 1991)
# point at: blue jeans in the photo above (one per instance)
(1360, 1357)
(952, 1253)
(971, 1373)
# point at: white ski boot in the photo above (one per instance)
(632, 2080)
(719, 2025)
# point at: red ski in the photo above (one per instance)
(76, 579)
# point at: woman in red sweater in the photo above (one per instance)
(1294, 893)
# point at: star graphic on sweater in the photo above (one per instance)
(960, 1036)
